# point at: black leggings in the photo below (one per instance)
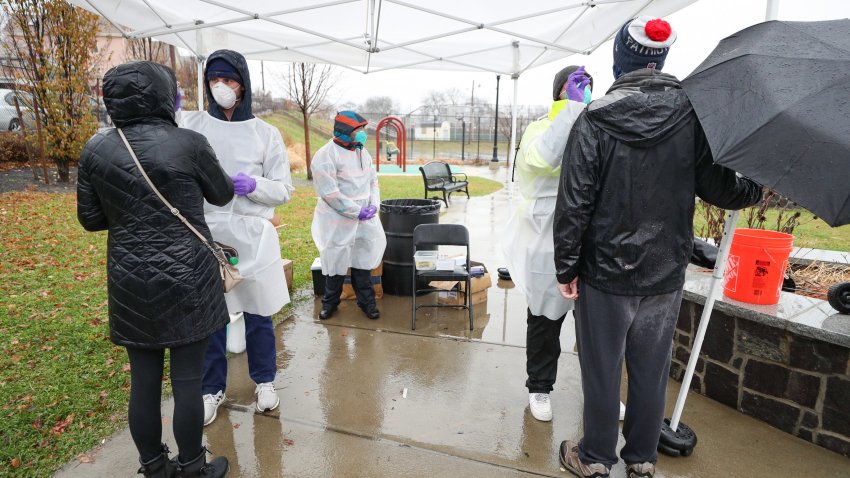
(187, 370)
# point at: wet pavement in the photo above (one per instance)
(364, 398)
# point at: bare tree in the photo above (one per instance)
(307, 85)
(433, 100)
(54, 42)
(454, 96)
(147, 49)
(379, 106)
(186, 73)
(439, 98)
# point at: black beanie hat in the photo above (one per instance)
(220, 68)
(561, 78)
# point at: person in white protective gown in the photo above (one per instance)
(528, 244)
(252, 152)
(346, 229)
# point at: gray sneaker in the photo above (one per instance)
(211, 403)
(570, 460)
(640, 470)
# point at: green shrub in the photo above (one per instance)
(13, 148)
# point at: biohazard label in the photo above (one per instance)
(731, 274)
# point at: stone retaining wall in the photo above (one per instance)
(797, 384)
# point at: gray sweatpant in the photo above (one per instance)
(608, 328)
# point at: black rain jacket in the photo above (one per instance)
(164, 285)
(633, 163)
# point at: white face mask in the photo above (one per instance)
(223, 95)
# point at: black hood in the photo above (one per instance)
(641, 108)
(243, 109)
(139, 92)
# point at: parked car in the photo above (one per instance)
(9, 116)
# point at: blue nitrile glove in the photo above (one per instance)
(243, 184)
(575, 85)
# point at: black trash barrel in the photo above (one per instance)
(399, 217)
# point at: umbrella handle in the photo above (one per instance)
(716, 277)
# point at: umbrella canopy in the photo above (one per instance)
(774, 101)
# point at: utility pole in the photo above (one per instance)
(262, 76)
(173, 57)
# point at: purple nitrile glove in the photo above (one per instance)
(367, 213)
(576, 83)
(364, 213)
(243, 184)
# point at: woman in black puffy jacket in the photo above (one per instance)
(164, 285)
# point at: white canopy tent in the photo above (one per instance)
(504, 37)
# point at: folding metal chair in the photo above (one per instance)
(428, 237)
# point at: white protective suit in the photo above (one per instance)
(345, 182)
(255, 148)
(528, 246)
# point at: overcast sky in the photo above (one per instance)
(700, 26)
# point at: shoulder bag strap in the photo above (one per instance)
(171, 208)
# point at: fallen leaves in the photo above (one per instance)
(61, 425)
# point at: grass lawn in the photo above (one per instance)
(63, 385)
(810, 232)
(292, 129)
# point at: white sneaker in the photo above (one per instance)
(267, 399)
(541, 408)
(622, 411)
(211, 404)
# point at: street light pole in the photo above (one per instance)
(496, 125)
(462, 136)
(434, 152)
(478, 152)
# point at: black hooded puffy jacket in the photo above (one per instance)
(634, 162)
(164, 285)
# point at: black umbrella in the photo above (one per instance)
(774, 100)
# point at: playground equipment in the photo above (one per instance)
(400, 150)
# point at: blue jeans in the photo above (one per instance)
(260, 346)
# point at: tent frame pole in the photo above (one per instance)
(713, 293)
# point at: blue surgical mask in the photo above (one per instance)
(360, 137)
(587, 94)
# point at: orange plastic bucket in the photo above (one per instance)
(756, 265)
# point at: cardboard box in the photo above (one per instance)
(347, 290)
(456, 298)
(287, 272)
(377, 273)
(454, 290)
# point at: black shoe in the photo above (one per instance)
(326, 313)
(372, 313)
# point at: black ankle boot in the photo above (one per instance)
(371, 312)
(158, 467)
(199, 467)
(327, 312)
